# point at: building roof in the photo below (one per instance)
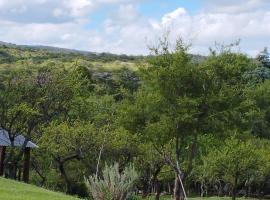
(18, 141)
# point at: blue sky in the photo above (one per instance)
(150, 8)
(128, 26)
(157, 8)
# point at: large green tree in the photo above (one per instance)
(180, 100)
(29, 100)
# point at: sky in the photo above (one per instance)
(130, 26)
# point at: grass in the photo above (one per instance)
(199, 198)
(12, 190)
(114, 66)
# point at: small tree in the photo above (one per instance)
(234, 162)
(264, 58)
(114, 185)
(67, 142)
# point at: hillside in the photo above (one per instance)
(34, 57)
(12, 190)
(14, 56)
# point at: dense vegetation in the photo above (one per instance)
(176, 120)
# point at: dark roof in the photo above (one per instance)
(18, 141)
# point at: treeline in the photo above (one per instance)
(205, 124)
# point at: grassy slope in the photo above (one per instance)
(12, 190)
(16, 58)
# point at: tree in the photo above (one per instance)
(234, 162)
(30, 100)
(181, 100)
(150, 163)
(259, 95)
(264, 58)
(262, 72)
(68, 142)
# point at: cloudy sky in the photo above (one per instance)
(128, 26)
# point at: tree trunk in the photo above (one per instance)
(248, 188)
(202, 189)
(234, 193)
(145, 191)
(61, 162)
(156, 182)
(65, 177)
(220, 189)
(178, 191)
(20, 174)
(158, 190)
(2, 160)
(259, 192)
(192, 154)
(12, 170)
(234, 189)
(26, 165)
(146, 183)
(43, 178)
(11, 163)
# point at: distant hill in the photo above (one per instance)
(52, 49)
(48, 48)
(14, 56)
(94, 55)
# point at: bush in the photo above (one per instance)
(114, 185)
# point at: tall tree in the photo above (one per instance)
(180, 100)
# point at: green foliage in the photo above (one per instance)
(264, 58)
(235, 162)
(77, 106)
(259, 95)
(62, 139)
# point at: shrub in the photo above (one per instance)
(113, 185)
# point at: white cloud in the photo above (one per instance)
(127, 13)
(45, 11)
(78, 8)
(62, 23)
(57, 12)
(205, 28)
(202, 30)
(175, 15)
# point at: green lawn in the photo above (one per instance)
(12, 190)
